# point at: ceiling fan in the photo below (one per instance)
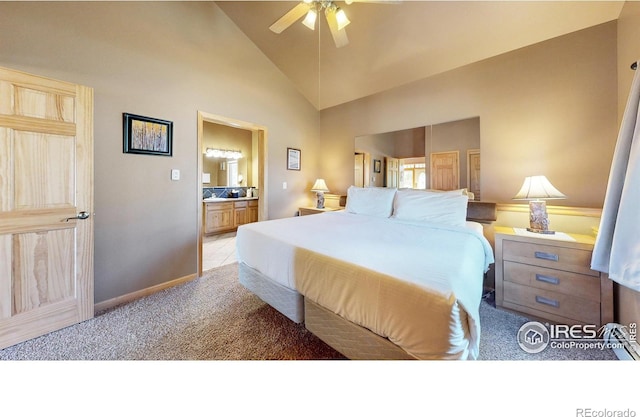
(336, 18)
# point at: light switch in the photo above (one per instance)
(175, 174)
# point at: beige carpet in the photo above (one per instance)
(215, 318)
(211, 318)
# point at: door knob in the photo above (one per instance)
(83, 215)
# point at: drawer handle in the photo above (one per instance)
(547, 301)
(547, 279)
(547, 256)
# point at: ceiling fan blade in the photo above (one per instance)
(339, 36)
(290, 17)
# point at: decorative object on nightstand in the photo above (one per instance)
(320, 187)
(537, 189)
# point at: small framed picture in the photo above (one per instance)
(293, 159)
(146, 135)
(377, 166)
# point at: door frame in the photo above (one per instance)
(261, 132)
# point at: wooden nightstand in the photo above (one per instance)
(305, 211)
(551, 279)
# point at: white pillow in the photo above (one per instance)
(371, 201)
(449, 208)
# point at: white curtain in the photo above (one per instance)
(617, 248)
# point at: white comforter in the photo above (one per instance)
(425, 283)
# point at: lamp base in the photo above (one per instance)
(538, 218)
(320, 203)
(542, 232)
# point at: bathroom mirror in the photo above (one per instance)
(227, 154)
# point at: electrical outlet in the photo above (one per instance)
(284, 185)
(175, 175)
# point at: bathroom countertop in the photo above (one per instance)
(223, 199)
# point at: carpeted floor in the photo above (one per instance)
(215, 318)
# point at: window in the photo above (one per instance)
(232, 173)
(413, 175)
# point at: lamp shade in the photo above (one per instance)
(320, 186)
(310, 20)
(538, 187)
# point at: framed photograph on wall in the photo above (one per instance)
(377, 166)
(293, 159)
(146, 135)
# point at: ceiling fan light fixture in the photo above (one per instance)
(342, 19)
(310, 20)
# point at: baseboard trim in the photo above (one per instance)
(561, 210)
(127, 298)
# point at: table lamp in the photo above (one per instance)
(537, 189)
(320, 187)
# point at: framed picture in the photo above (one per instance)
(376, 166)
(293, 159)
(145, 135)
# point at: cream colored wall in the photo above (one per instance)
(628, 301)
(166, 60)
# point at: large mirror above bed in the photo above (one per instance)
(443, 156)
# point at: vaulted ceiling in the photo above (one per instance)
(395, 43)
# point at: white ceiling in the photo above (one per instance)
(394, 44)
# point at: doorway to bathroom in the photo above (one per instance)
(225, 246)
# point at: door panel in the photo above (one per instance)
(46, 179)
(392, 168)
(43, 171)
(473, 172)
(359, 170)
(445, 171)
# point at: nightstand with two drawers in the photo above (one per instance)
(550, 278)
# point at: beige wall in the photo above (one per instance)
(166, 60)
(628, 301)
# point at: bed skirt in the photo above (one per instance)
(353, 341)
(287, 301)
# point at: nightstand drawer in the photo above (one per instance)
(549, 256)
(558, 304)
(579, 285)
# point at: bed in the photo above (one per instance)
(397, 275)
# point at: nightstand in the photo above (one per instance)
(305, 211)
(550, 278)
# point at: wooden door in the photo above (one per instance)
(445, 170)
(392, 172)
(46, 180)
(359, 170)
(473, 172)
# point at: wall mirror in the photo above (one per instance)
(227, 155)
(444, 156)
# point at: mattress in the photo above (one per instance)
(417, 284)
